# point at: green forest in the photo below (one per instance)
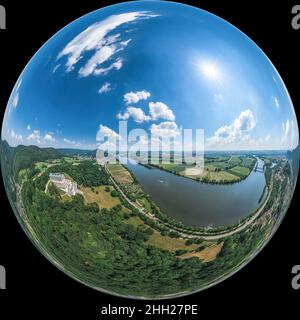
(107, 248)
(101, 249)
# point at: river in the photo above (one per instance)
(201, 204)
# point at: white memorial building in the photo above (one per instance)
(66, 185)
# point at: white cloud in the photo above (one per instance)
(135, 97)
(77, 144)
(49, 138)
(159, 110)
(12, 137)
(72, 142)
(19, 84)
(28, 127)
(289, 138)
(239, 130)
(35, 136)
(245, 121)
(167, 129)
(112, 138)
(105, 88)
(16, 97)
(69, 141)
(101, 56)
(116, 65)
(56, 67)
(107, 132)
(137, 114)
(123, 116)
(15, 136)
(95, 39)
(276, 102)
(262, 143)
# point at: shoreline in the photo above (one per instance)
(209, 233)
(199, 180)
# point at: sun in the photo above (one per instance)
(210, 70)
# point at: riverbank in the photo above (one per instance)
(231, 171)
(185, 231)
(193, 204)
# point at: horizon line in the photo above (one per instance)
(208, 150)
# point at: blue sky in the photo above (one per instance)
(160, 66)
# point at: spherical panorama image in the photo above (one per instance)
(149, 149)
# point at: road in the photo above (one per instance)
(183, 234)
(46, 189)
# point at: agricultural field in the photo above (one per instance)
(119, 173)
(218, 176)
(211, 158)
(239, 171)
(234, 160)
(218, 169)
(125, 180)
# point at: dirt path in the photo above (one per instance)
(46, 189)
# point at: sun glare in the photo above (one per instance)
(210, 70)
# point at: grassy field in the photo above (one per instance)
(210, 167)
(177, 168)
(135, 221)
(214, 159)
(222, 176)
(239, 171)
(219, 165)
(103, 197)
(145, 203)
(66, 198)
(246, 162)
(234, 160)
(208, 254)
(41, 166)
(168, 243)
(163, 242)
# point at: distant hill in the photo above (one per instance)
(21, 157)
(77, 152)
(13, 159)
